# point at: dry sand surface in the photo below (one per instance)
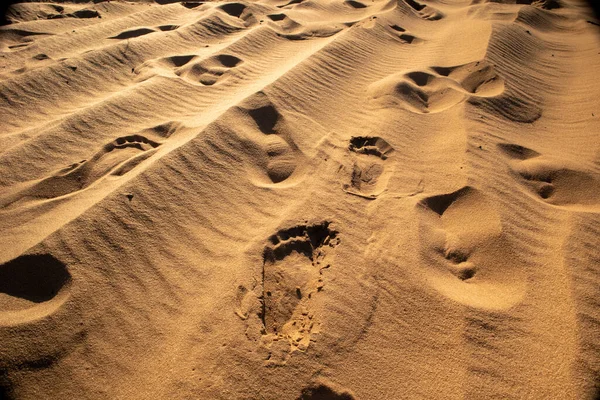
(305, 199)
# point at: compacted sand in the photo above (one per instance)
(313, 199)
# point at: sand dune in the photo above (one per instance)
(305, 199)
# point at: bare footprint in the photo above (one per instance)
(234, 9)
(116, 158)
(292, 274)
(478, 78)
(166, 66)
(31, 287)
(24, 12)
(552, 181)
(467, 255)
(39, 321)
(402, 35)
(14, 39)
(324, 391)
(278, 158)
(438, 89)
(369, 175)
(355, 4)
(424, 11)
(209, 71)
(543, 4)
(133, 33)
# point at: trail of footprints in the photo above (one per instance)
(294, 259)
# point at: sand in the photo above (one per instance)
(313, 199)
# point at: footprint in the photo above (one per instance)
(23, 12)
(278, 157)
(191, 4)
(467, 255)
(276, 17)
(165, 66)
(40, 323)
(13, 39)
(291, 3)
(369, 175)
(166, 28)
(477, 78)
(403, 35)
(355, 4)
(324, 391)
(292, 274)
(209, 71)
(514, 151)
(552, 181)
(31, 286)
(133, 33)
(292, 30)
(543, 4)
(115, 158)
(546, 4)
(234, 9)
(178, 61)
(83, 13)
(438, 89)
(424, 11)
(240, 11)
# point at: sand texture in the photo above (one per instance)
(305, 199)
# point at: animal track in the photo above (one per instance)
(369, 174)
(424, 11)
(209, 71)
(469, 259)
(29, 283)
(552, 182)
(117, 158)
(293, 262)
(439, 88)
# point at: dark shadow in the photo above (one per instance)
(133, 33)
(233, 9)
(36, 278)
(266, 118)
(322, 392)
(439, 204)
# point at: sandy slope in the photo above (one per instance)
(320, 199)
